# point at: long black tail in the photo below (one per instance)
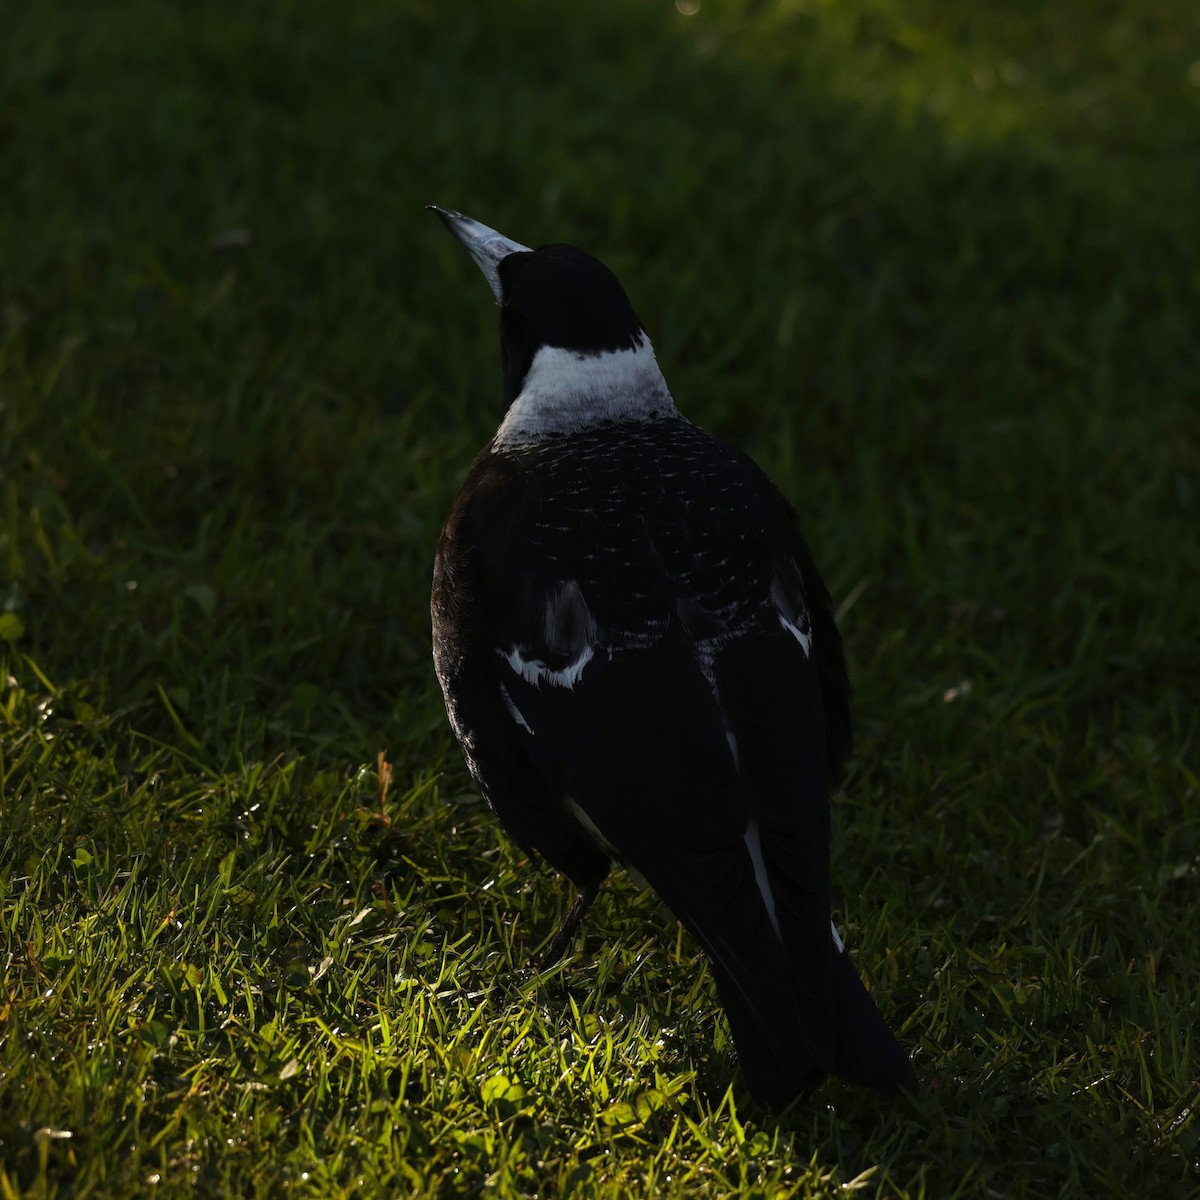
(867, 1053)
(777, 1066)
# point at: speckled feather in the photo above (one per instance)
(655, 521)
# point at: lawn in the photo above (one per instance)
(937, 266)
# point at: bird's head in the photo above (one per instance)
(556, 297)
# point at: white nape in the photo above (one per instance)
(568, 390)
(753, 841)
(534, 671)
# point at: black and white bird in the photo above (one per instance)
(641, 664)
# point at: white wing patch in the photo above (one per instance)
(805, 639)
(789, 615)
(601, 841)
(568, 631)
(731, 738)
(514, 711)
(753, 841)
(534, 671)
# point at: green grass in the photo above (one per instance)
(935, 265)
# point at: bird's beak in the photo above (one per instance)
(486, 246)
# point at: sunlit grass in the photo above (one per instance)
(932, 264)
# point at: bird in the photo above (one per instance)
(640, 662)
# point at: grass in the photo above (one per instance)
(934, 265)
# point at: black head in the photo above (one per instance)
(560, 296)
(556, 295)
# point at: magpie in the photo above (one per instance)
(640, 662)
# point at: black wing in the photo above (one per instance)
(482, 534)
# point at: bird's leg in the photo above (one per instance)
(575, 914)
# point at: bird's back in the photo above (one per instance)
(644, 602)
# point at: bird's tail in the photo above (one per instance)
(778, 1066)
(867, 1053)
